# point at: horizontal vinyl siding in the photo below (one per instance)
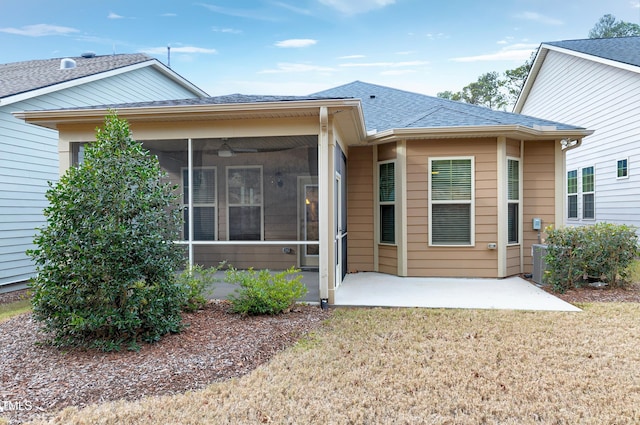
(360, 204)
(513, 260)
(601, 98)
(29, 157)
(388, 259)
(538, 198)
(437, 261)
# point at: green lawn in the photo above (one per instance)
(406, 366)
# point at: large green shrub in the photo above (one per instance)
(577, 255)
(105, 260)
(264, 292)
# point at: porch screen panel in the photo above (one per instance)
(204, 203)
(451, 196)
(244, 192)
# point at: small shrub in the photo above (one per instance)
(578, 255)
(262, 292)
(195, 280)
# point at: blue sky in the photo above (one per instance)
(297, 47)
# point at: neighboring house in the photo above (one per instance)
(360, 177)
(593, 83)
(29, 154)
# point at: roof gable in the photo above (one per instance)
(22, 78)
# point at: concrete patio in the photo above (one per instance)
(514, 293)
(368, 289)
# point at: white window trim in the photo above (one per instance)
(593, 192)
(191, 204)
(623, 177)
(261, 205)
(472, 202)
(576, 194)
(379, 203)
(518, 201)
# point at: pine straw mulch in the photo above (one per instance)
(216, 346)
(39, 380)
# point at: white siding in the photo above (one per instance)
(601, 98)
(29, 157)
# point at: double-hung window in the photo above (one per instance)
(204, 203)
(572, 194)
(244, 202)
(451, 201)
(387, 199)
(588, 193)
(623, 168)
(513, 200)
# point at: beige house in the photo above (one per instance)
(356, 178)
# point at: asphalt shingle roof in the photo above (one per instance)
(621, 49)
(386, 108)
(22, 77)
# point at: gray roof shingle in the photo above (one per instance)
(22, 77)
(620, 49)
(386, 108)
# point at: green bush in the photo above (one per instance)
(577, 255)
(195, 280)
(105, 260)
(263, 292)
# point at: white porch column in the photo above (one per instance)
(324, 180)
(502, 206)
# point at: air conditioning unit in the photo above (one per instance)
(538, 252)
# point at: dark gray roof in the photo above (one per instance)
(387, 108)
(215, 100)
(621, 49)
(22, 77)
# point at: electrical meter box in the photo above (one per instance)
(537, 223)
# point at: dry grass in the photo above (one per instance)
(7, 311)
(426, 366)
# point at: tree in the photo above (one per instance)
(514, 79)
(450, 95)
(486, 91)
(105, 259)
(609, 27)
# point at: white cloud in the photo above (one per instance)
(352, 57)
(635, 4)
(169, 15)
(515, 52)
(353, 7)
(398, 72)
(114, 16)
(294, 9)
(286, 67)
(537, 17)
(226, 30)
(384, 64)
(180, 49)
(40, 30)
(296, 42)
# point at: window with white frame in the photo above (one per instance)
(244, 202)
(513, 200)
(623, 168)
(572, 194)
(204, 203)
(451, 201)
(387, 199)
(588, 193)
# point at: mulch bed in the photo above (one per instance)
(216, 346)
